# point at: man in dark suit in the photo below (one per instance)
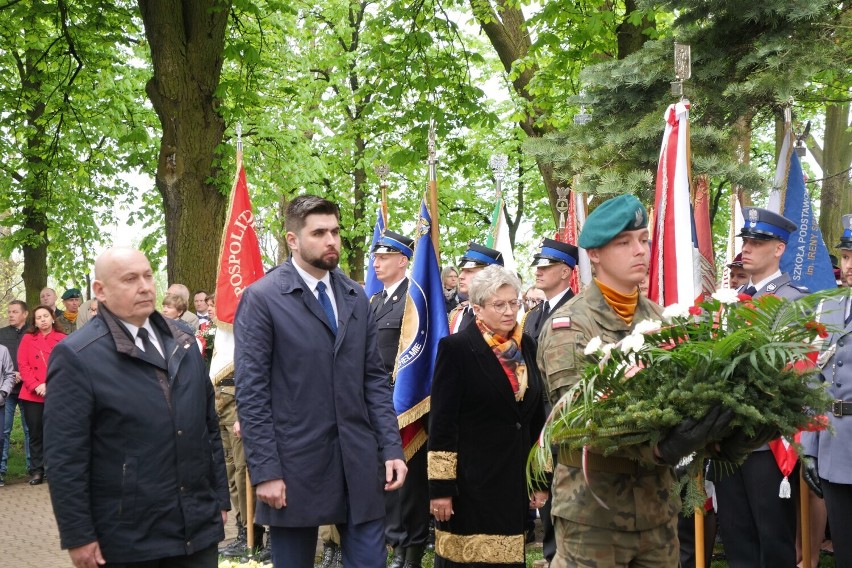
(758, 527)
(137, 471)
(553, 264)
(407, 510)
(475, 259)
(316, 414)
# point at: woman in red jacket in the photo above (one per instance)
(33, 354)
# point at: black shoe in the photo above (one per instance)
(236, 549)
(241, 540)
(413, 556)
(36, 478)
(530, 538)
(264, 554)
(398, 559)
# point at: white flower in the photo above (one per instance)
(726, 296)
(607, 348)
(676, 311)
(632, 343)
(647, 326)
(593, 346)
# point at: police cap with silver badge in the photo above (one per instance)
(478, 256)
(846, 237)
(622, 213)
(555, 252)
(763, 224)
(394, 243)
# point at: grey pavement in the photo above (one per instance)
(30, 537)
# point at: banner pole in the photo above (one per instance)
(699, 531)
(249, 520)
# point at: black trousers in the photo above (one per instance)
(34, 415)
(838, 501)
(207, 558)
(407, 508)
(758, 527)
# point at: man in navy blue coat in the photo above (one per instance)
(137, 471)
(316, 414)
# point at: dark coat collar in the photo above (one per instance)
(169, 332)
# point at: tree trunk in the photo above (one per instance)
(187, 39)
(834, 158)
(34, 181)
(505, 26)
(630, 38)
(357, 246)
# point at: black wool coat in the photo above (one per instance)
(476, 423)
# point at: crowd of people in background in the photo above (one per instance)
(511, 353)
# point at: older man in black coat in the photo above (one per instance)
(137, 472)
(317, 419)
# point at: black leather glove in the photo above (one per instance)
(810, 472)
(691, 434)
(739, 444)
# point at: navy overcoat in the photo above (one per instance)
(315, 408)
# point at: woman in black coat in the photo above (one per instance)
(486, 413)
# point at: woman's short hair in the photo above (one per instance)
(446, 272)
(489, 280)
(176, 302)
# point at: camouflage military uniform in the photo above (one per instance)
(640, 525)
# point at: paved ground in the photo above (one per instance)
(31, 539)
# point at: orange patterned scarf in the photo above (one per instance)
(508, 352)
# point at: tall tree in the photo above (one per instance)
(187, 41)
(61, 145)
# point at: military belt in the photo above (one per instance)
(598, 462)
(225, 383)
(841, 408)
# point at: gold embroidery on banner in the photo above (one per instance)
(485, 548)
(415, 444)
(442, 465)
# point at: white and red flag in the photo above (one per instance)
(674, 272)
(240, 264)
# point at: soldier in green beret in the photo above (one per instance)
(67, 320)
(637, 523)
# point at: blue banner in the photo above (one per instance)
(806, 257)
(423, 326)
(373, 285)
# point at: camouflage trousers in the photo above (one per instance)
(593, 547)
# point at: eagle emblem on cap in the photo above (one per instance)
(847, 222)
(637, 218)
(753, 217)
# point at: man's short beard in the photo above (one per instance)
(324, 264)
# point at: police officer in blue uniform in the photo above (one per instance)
(407, 510)
(554, 264)
(758, 527)
(828, 469)
(475, 259)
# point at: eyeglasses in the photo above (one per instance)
(501, 307)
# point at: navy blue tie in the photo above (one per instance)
(325, 302)
(751, 291)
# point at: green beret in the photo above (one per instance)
(71, 293)
(622, 213)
